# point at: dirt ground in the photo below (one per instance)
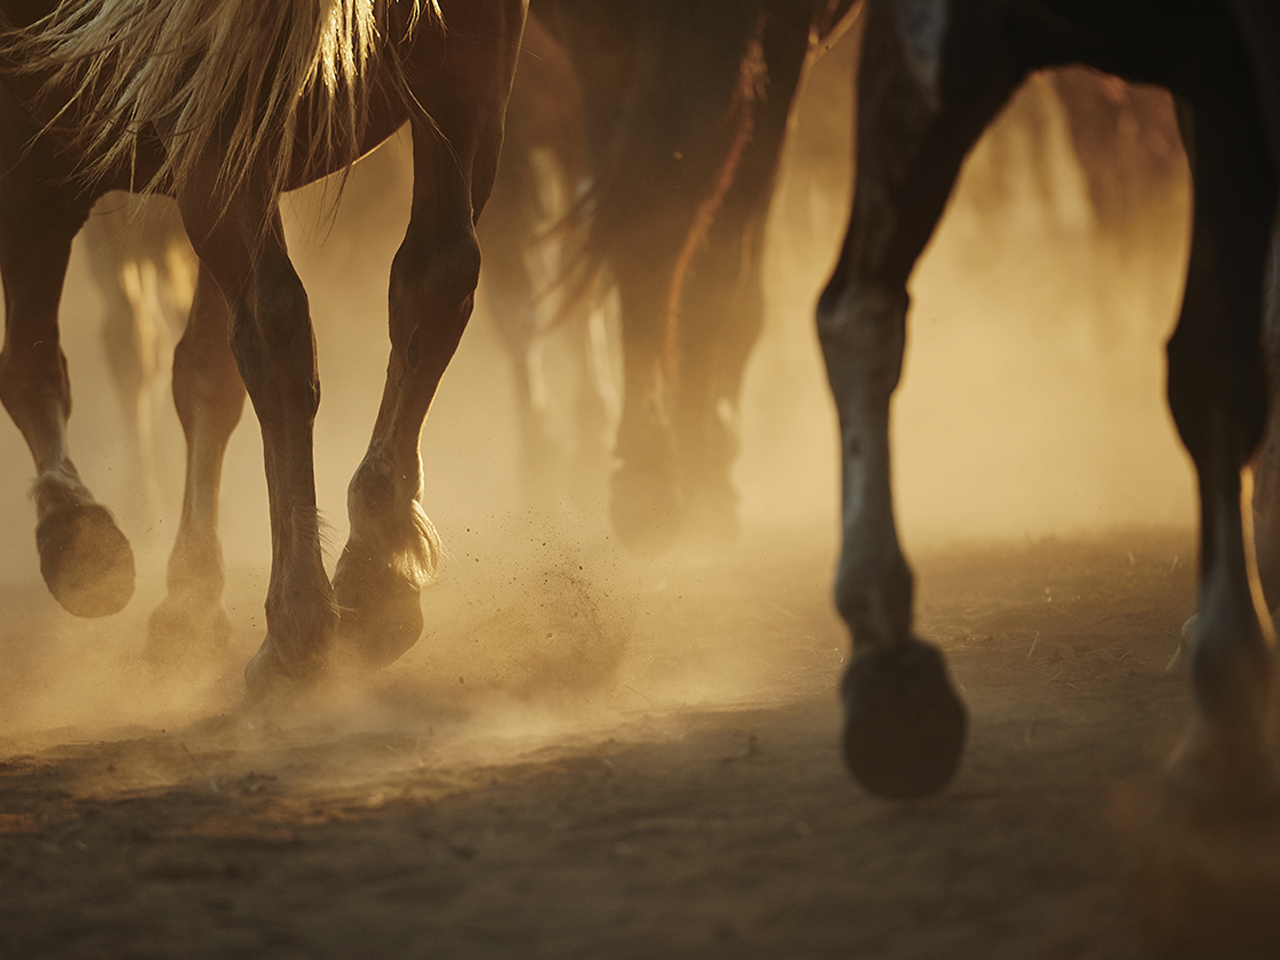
(651, 771)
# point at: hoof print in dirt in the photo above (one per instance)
(85, 560)
(904, 727)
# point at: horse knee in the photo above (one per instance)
(864, 325)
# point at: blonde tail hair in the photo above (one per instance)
(189, 71)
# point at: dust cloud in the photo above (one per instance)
(1032, 404)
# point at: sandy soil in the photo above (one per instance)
(637, 765)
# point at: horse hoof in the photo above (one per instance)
(645, 510)
(85, 560)
(180, 631)
(904, 726)
(380, 614)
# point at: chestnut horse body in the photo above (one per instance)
(335, 79)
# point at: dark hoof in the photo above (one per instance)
(85, 560)
(182, 631)
(904, 726)
(645, 510)
(379, 610)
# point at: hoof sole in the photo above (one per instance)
(904, 727)
(86, 561)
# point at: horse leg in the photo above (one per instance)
(904, 725)
(393, 550)
(84, 558)
(209, 396)
(1266, 486)
(722, 306)
(242, 248)
(508, 231)
(1218, 395)
(130, 334)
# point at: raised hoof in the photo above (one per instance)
(645, 510)
(904, 727)
(85, 560)
(380, 615)
(182, 631)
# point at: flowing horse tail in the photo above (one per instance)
(248, 75)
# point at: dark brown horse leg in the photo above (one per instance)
(904, 725)
(209, 397)
(722, 308)
(1217, 392)
(392, 550)
(243, 250)
(1266, 487)
(85, 559)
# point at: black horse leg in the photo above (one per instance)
(1217, 392)
(1266, 487)
(904, 725)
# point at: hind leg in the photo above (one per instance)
(1217, 392)
(904, 725)
(392, 551)
(209, 396)
(722, 307)
(85, 559)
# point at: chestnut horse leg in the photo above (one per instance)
(393, 550)
(1218, 395)
(242, 248)
(209, 397)
(85, 559)
(904, 725)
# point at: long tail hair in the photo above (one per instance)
(246, 72)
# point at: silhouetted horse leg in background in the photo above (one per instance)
(686, 107)
(721, 311)
(544, 168)
(145, 270)
(928, 85)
